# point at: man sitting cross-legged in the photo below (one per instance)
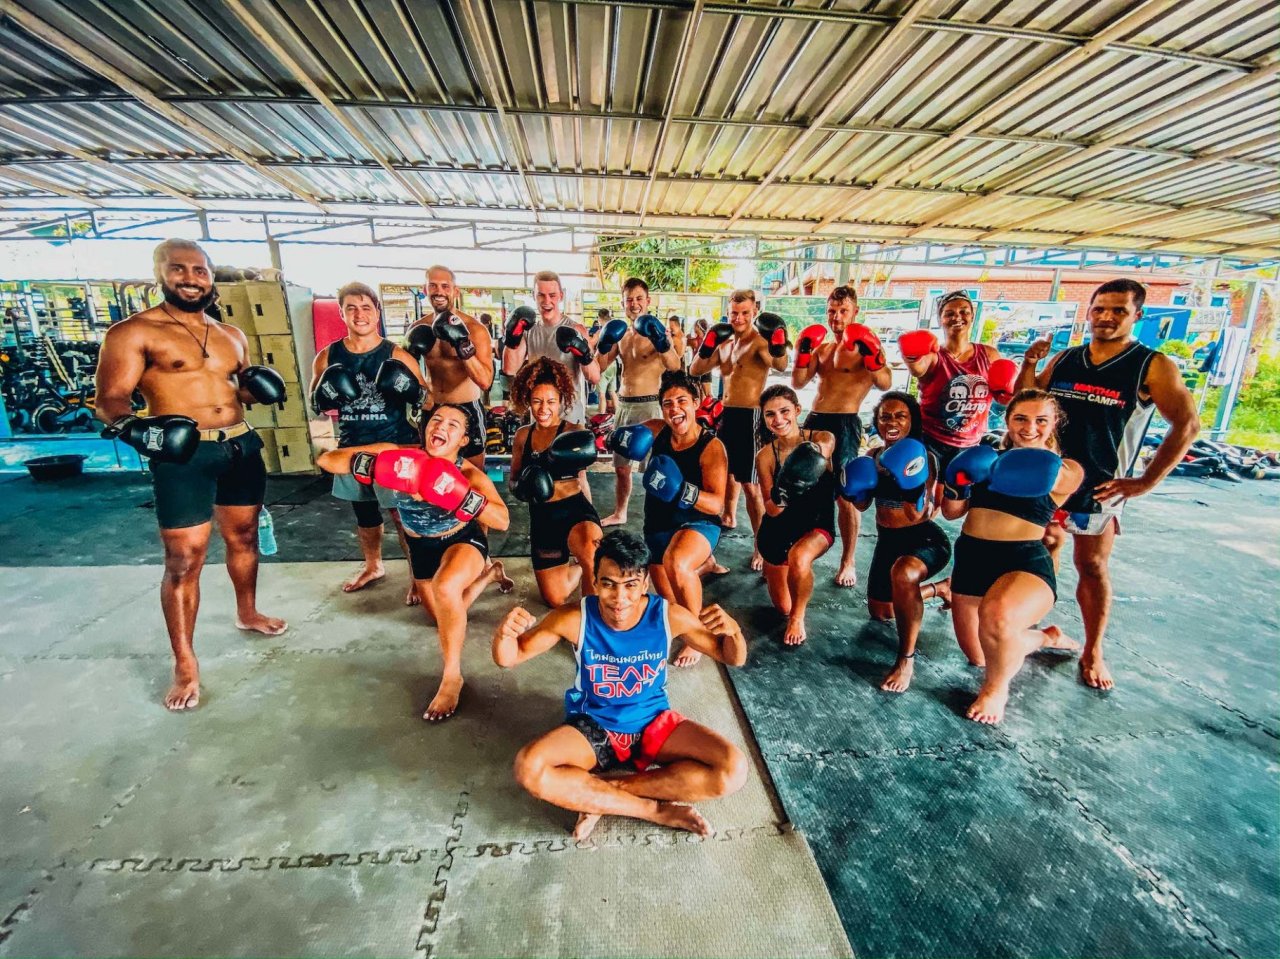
(617, 712)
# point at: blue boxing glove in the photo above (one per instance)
(971, 466)
(650, 327)
(665, 481)
(612, 334)
(1026, 473)
(632, 442)
(858, 479)
(907, 461)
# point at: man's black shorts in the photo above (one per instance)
(845, 427)
(227, 472)
(739, 431)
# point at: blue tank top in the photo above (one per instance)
(622, 675)
(368, 419)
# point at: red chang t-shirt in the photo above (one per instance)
(955, 398)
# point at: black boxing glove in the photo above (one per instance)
(264, 384)
(420, 340)
(455, 334)
(165, 439)
(522, 317)
(335, 389)
(569, 340)
(397, 384)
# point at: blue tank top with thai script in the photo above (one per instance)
(622, 674)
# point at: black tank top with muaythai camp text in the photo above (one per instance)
(1106, 419)
(659, 516)
(368, 419)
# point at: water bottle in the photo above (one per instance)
(266, 534)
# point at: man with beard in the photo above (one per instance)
(206, 462)
(458, 354)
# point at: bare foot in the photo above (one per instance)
(505, 583)
(678, 816)
(988, 708)
(757, 561)
(687, 657)
(257, 623)
(185, 691)
(846, 575)
(412, 598)
(899, 678)
(614, 519)
(729, 522)
(795, 634)
(1055, 638)
(364, 576)
(712, 568)
(1094, 672)
(942, 590)
(446, 702)
(586, 823)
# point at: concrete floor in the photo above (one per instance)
(305, 809)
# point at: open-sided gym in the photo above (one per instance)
(640, 478)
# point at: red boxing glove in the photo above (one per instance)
(1002, 377)
(864, 340)
(916, 344)
(436, 480)
(709, 412)
(811, 338)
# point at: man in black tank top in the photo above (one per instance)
(1108, 389)
(366, 418)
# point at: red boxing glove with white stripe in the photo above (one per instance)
(437, 481)
(916, 344)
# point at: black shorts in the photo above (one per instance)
(740, 433)
(980, 562)
(222, 472)
(426, 552)
(779, 533)
(925, 541)
(845, 427)
(944, 451)
(550, 525)
(478, 433)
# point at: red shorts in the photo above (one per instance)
(614, 749)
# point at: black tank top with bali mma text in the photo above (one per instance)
(368, 419)
(659, 516)
(1106, 418)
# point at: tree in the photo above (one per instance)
(646, 258)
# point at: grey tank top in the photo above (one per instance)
(541, 341)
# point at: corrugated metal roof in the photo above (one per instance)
(1095, 121)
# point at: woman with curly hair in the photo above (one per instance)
(901, 478)
(548, 458)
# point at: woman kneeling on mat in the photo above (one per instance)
(547, 460)
(445, 505)
(1004, 582)
(684, 492)
(799, 505)
(910, 547)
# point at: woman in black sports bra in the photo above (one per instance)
(1003, 581)
(910, 546)
(798, 489)
(564, 529)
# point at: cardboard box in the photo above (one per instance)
(277, 353)
(269, 454)
(270, 312)
(293, 444)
